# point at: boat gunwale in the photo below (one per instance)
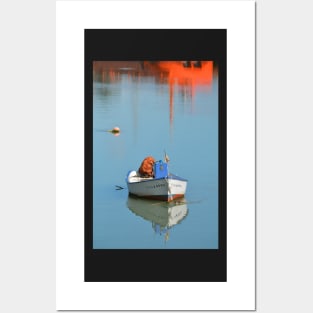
(165, 198)
(167, 178)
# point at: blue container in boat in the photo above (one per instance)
(160, 169)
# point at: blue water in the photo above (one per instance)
(150, 122)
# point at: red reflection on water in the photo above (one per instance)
(186, 75)
(171, 103)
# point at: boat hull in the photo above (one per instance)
(165, 189)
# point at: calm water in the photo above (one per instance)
(170, 108)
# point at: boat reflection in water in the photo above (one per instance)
(162, 215)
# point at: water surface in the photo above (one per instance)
(158, 107)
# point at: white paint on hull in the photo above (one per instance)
(149, 187)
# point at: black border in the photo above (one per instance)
(155, 265)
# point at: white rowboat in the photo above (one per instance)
(163, 186)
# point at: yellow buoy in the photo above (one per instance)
(115, 130)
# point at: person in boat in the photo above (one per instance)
(146, 167)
